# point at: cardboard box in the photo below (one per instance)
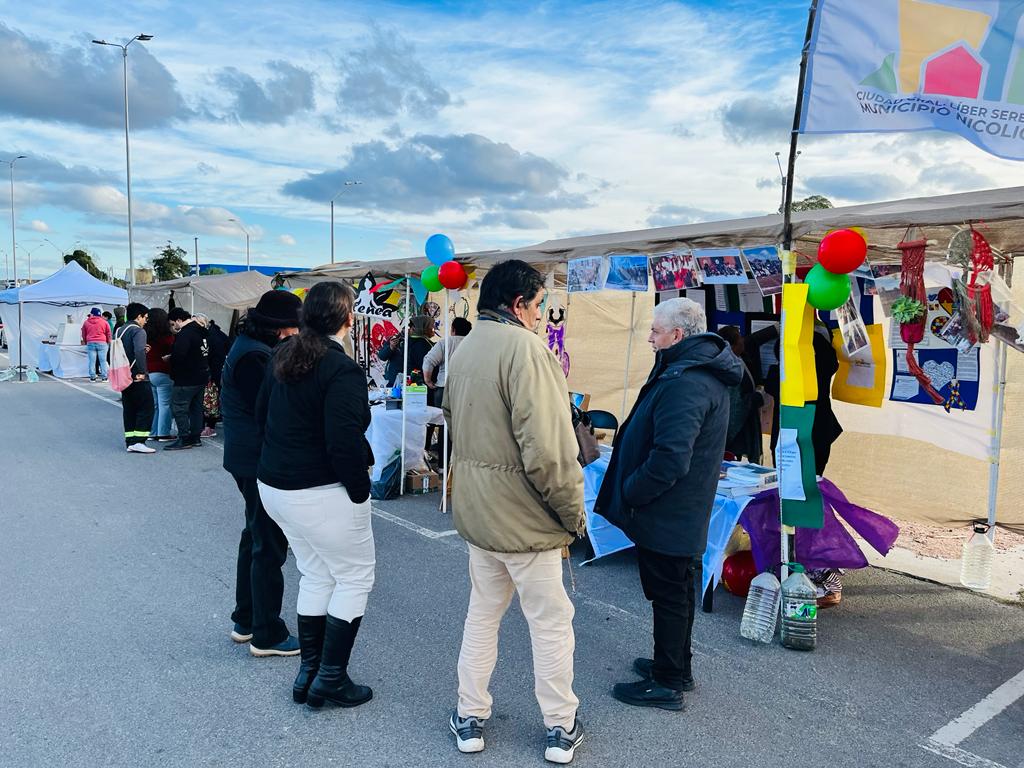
(422, 481)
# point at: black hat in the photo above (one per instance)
(277, 309)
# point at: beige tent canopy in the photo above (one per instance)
(901, 477)
(218, 296)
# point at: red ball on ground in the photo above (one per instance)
(738, 571)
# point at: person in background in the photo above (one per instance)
(660, 487)
(392, 351)
(190, 371)
(314, 480)
(137, 398)
(110, 320)
(96, 336)
(518, 503)
(158, 361)
(263, 548)
(434, 362)
(119, 317)
(218, 352)
(745, 401)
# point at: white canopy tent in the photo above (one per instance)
(217, 296)
(32, 312)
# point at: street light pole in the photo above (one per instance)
(248, 265)
(127, 145)
(346, 185)
(14, 247)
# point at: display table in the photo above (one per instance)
(66, 361)
(385, 436)
(605, 538)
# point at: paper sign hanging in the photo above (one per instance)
(807, 512)
(861, 377)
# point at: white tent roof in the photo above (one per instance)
(998, 214)
(70, 286)
(239, 290)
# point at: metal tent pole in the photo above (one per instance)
(444, 428)
(405, 376)
(629, 355)
(998, 411)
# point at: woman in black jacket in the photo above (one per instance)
(314, 482)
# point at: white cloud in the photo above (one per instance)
(286, 240)
(38, 225)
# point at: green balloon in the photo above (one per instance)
(826, 290)
(430, 279)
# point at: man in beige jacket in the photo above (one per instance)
(517, 501)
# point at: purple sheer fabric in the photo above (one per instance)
(832, 546)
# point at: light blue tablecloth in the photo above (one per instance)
(606, 538)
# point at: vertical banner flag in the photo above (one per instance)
(915, 65)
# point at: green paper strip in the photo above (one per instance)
(808, 513)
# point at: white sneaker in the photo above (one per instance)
(140, 448)
(562, 744)
(469, 732)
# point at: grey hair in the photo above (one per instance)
(203, 320)
(682, 313)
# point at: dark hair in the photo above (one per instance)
(461, 326)
(135, 310)
(107, 314)
(507, 280)
(178, 314)
(731, 334)
(157, 326)
(250, 326)
(327, 308)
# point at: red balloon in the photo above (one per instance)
(738, 571)
(842, 251)
(452, 275)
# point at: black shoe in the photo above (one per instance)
(311, 641)
(178, 445)
(644, 668)
(332, 682)
(647, 693)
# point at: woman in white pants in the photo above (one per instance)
(314, 482)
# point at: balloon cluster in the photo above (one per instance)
(444, 271)
(828, 282)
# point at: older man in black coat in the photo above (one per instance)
(660, 486)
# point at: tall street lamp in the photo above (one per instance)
(127, 146)
(344, 187)
(29, 252)
(14, 247)
(247, 264)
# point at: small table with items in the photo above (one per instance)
(65, 361)
(385, 435)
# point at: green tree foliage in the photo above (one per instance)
(85, 261)
(214, 271)
(812, 203)
(171, 263)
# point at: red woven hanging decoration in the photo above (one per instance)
(912, 286)
(979, 289)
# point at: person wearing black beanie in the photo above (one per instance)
(263, 548)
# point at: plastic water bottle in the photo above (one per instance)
(976, 564)
(799, 610)
(761, 612)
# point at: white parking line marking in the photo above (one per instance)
(410, 526)
(961, 756)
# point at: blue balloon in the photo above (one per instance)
(440, 249)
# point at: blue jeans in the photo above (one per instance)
(97, 350)
(162, 400)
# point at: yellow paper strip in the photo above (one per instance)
(798, 384)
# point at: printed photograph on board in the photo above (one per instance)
(627, 273)
(674, 271)
(766, 266)
(721, 266)
(584, 274)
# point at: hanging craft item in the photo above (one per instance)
(910, 311)
(954, 400)
(979, 289)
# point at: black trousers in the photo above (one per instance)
(187, 407)
(137, 411)
(259, 583)
(668, 584)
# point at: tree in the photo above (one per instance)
(171, 263)
(812, 203)
(214, 271)
(85, 261)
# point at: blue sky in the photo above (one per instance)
(499, 124)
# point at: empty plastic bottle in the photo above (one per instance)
(799, 610)
(976, 563)
(761, 611)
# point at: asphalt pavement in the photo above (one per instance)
(117, 582)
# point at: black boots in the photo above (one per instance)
(311, 642)
(332, 682)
